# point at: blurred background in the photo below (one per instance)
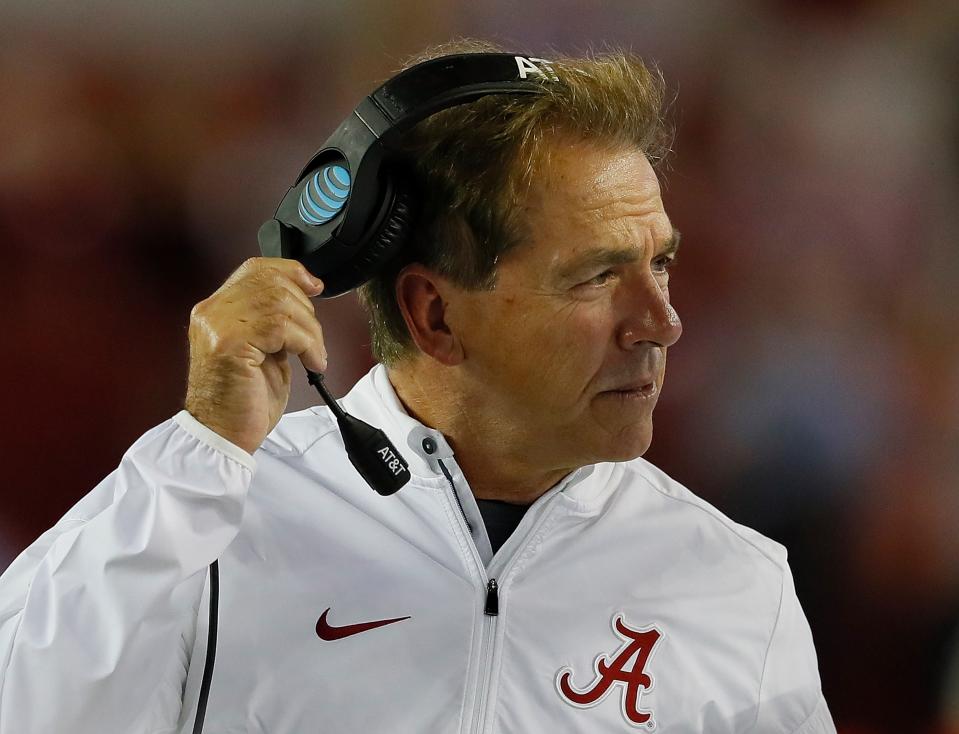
(813, 395)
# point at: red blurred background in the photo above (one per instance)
(815, 391)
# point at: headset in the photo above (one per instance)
(350, 211)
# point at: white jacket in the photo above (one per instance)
(625, 603)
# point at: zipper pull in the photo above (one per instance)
(492, 599)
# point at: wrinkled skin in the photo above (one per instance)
(240, 338)
(539, 380)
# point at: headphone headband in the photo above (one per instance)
(441, 83)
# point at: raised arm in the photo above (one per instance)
(97, 617)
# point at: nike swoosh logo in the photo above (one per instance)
(328, 632)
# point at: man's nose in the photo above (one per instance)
(651, 317)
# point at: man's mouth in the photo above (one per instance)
(638, 390)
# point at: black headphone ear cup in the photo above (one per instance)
(381, 244)
(392, 233)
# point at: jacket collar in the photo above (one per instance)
(374, 400)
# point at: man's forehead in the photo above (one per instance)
(587, 182)
(595, 160)
(592, 197)
(628, 213)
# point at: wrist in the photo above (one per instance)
(188, 422)
(237, 439)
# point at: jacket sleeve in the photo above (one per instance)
(790, 696)
(97, 615)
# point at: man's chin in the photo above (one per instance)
(626, 446)
(630, 454)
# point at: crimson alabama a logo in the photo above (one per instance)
(611, 671)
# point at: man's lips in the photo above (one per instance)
(641, 392)
(638, 385)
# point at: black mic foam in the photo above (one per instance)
(372, 454)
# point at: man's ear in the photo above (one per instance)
(422, 295)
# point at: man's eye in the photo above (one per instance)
(664, 263)
(601, 279)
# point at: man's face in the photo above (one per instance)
(567, 353)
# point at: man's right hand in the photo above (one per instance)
(240, 337)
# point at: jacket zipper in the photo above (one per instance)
(490, 612)
(492, 599)
(449, 478)
(491, 608)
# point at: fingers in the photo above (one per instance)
(293, 333)
(265, 304)
(265, 268)
(281, 298)
(283, 319)
(240, 339)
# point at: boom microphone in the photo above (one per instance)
(369, 450)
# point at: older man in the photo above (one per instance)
(534, 575)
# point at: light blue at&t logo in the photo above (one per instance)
(324, 194)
